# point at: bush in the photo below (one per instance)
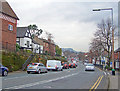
(13, 61)
(107, 67)
(17, 47)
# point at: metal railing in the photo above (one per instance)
(28, 61)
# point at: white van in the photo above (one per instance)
(54, 65)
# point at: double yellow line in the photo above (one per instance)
(96, 83)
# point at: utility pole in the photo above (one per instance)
(113, 68)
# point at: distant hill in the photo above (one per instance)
(69, 49)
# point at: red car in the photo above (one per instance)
(65, 65)
(72, 65)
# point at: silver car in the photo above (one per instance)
(36, 67)
(89, 67)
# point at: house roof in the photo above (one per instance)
(44, 40)
(7, 10)
(35, 42)
(21, 31)
(118, 50)
(38, 40)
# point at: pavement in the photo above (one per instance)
(114, 81)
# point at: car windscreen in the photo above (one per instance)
(33, 64)
(64, 63)
(90, 65)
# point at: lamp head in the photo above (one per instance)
(96, 9)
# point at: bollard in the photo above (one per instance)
(113, 71)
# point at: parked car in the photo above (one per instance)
(36, 67)
(3, 70)
(75, 63)
(72, 65)
(54, 65)
(89, 67)
(65, 65)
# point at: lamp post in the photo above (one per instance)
(111, 9)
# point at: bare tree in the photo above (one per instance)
(103, 39)
(49, 35)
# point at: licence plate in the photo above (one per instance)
(30, 67)
(48, 66)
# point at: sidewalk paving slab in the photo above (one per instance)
(114, 81)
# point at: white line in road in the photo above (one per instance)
(34, 75)
(104, 72)
(40, 82)
(108, 73)
(30, 75)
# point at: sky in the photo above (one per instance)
(71, 22)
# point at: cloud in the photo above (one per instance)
(72, 23)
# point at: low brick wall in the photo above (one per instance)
(99, 66)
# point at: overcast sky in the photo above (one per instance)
(72, 22)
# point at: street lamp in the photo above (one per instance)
(113, 68)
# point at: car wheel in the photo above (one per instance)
(39, 71)
(61, 69)
(46, 71)
(28, 72)
(5, 73)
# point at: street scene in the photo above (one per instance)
(59, 45)
(73, 78)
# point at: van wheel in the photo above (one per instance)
(46, 71)
(28, 72)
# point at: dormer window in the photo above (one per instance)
(10, 27)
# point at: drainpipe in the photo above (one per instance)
(119, 60)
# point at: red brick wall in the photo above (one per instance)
(8, 37)
(45, 47)
(116, 56)
(52, 49)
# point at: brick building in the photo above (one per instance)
(45, 46)
(48, 47)
(8, 28)
(117, 58)
(51, 47)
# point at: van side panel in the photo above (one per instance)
(51, 64)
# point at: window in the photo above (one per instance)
(10, 27)
(46, 45)
(41, 65)
(28, 43)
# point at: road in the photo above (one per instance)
(74, 78)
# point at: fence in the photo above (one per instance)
(99, 66)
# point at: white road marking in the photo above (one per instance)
(108, 73)
(29, 75)
(33, 75)
(47, 87)
(104, 72)
(40, 82)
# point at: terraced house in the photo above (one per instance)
(8, 26)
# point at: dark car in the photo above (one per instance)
(65, 65)
(3, 70)
(72, 65)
